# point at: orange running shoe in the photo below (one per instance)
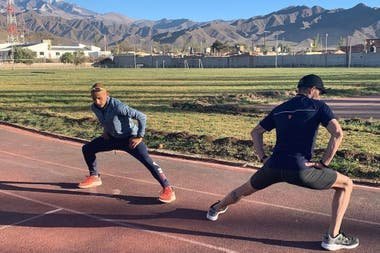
(167, 195)
(90, 181)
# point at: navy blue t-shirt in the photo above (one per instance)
(296, 122)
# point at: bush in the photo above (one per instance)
(23, 55)
(67, 58)
(79, 58)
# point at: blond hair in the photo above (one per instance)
(97, 87)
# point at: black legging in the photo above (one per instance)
(99, 144)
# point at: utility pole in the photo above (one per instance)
(105, 42)
(276, 48)
(350, 51)
(134, 57)
(11, 23)
(11, 27)
(252, 46)
(264, 49)
(22, 29)
(264, 38)
(326, 42)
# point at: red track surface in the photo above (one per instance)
(42, 210)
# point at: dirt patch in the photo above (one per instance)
(201, 106)
(231, 104)
(355, 164)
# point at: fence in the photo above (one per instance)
(247, 61)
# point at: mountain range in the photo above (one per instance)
(297, 26)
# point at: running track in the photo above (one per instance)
(42, 210)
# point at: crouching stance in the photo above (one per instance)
(296, 122)
(120, 133)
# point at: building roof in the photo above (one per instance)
(28, 44)
(5, 49)
(67, 48)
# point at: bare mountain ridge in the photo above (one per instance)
(295, 24)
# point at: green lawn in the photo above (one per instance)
(58, 101)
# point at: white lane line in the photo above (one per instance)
(123, 224)
(31, 132)
(197, 191)
(31, 218)
(22, 164)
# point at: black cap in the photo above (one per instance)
(312, 81)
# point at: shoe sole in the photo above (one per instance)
(90, 186)
(333, 247)
(214, 218)
(167, 201)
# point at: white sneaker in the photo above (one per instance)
(213, 213)
(341, 241)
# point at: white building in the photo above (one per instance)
(45, 50)
(5, 50)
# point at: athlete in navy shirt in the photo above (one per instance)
(296, 122)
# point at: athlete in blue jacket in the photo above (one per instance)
(120, 133)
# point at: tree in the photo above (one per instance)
(285, 48)
(123, 47)
(340, 42)
(315, 43)
(23, 55)
(217, 46)
(67, 58)
(79, 57)
(241, 47)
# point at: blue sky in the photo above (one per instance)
(205, 10)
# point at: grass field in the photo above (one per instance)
(58, 101)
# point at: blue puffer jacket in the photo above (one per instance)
(117, 119)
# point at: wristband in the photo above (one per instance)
(323, 164)
(263, 158)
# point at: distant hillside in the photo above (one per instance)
(295, 25)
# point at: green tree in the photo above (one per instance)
(115, 50)
(340, 42)
(217, 46)
(285, 49)
(79, 57)
(23, 55)
(315, 44)
(67, 58)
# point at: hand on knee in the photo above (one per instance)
(349, 185)
(343, 183)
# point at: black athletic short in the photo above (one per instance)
(293, 171)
